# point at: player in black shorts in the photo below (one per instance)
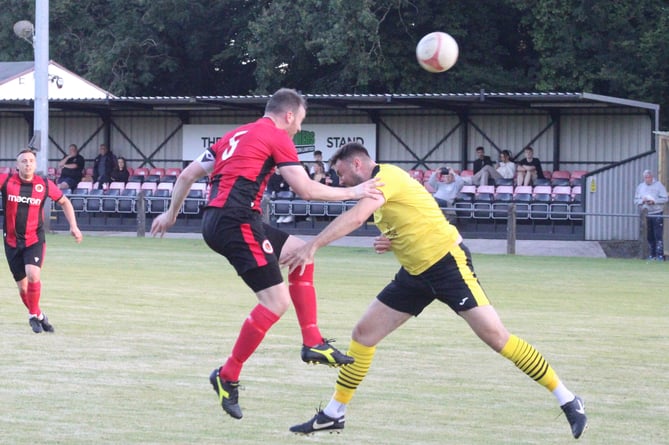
(239, 166)
(24, 195)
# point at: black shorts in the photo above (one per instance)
(251, 246)
(451, 280)
(19, 257)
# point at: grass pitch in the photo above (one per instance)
(140, 323)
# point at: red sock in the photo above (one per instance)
(303, 294)
(253, 331)
(32, 298)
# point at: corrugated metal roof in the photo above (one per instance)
(364, 102)
(9, 70)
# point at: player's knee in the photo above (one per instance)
(299, 278)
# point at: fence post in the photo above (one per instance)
(643, 234)
(140, 209)
(511, 230)
(265, 206)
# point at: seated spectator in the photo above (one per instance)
(318, 173)
(446, 184)
(529, 168)
(506, 169)
(120, 172)
(318, 157)
(276, 184)
(332, 178)
(481, 160)
(72, 169)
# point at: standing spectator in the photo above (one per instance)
(446, 184)
(120, 172)
(652, 195)
(240, 164)
(103, 165)
(506, 169)
(529, 168)
(481, 160)
(71, 169)
(24, 195)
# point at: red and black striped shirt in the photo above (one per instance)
(24, 202)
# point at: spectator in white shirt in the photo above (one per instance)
(506, 169)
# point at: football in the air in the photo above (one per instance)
(437, 52)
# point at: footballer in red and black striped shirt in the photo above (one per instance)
(24, 195)
(239, 166)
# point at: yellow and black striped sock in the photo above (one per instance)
(351, 376)
(530, 361)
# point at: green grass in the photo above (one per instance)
(140, 323)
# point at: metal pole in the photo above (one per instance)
(41, 118)
(41, 112)
(644, 250)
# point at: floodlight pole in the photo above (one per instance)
(40, 139)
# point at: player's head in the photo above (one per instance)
(73, 149)
(505, 156)
(480, 152)
(529, 152)
(352, 164)
(287, 108)
(26, 163)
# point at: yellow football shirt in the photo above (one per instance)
(412, 219)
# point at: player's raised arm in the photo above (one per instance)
(185, 180)
(306, 188)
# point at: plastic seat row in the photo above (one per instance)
(298, 207)
(538, 203)
(554, 178)
(520, 193)
(123, 198)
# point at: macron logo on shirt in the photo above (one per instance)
(24, 200)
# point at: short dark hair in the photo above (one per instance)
(479, 148)
(347, 151)
(318, 152)
(506, 152)
(285, 99)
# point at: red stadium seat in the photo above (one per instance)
(576, 175)
(417, 174)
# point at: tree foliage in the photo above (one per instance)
(214, 47)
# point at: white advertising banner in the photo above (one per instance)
(324, 137)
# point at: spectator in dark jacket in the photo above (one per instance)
(481, 160)
(103, 165)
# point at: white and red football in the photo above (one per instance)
(437, 52)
